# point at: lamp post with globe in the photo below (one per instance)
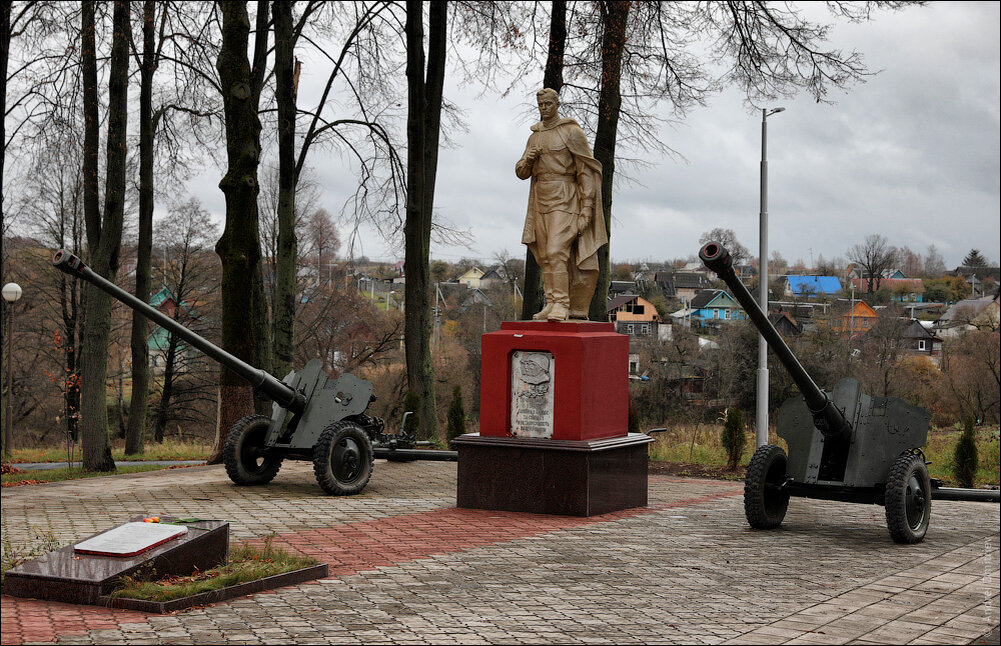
(11, 293)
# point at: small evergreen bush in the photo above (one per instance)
(633, 423)
(733, 439)
(964, 460)
(456, 415)
(412, 403)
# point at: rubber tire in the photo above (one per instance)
(339, 441)
(764, 507)
(908, 499)
(237, 454)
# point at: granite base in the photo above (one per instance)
(65, 575)
(545, 476)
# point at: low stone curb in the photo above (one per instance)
(213, 596)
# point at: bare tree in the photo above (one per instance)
(104, 230)
(934, 263)
(190, 280)
(728, 239)
(873, 256)
(425, 81)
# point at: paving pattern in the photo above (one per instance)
(407, 567)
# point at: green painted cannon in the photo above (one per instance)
(313, 418)
(843, 445)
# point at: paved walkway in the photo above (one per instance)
(407, 567)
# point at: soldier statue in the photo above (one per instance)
(565, 223)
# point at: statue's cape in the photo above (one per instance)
(596, 235)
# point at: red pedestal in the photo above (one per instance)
(591, 381)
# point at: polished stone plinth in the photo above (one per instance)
(546, 476)
(73, 577)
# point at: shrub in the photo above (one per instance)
(456, 415)
(964, 460)
(412, 403)
(733, 436)
(633, 423)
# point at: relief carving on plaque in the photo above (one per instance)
(532, 394)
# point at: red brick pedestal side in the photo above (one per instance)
(591, 464)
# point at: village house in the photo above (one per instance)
(714, 306)
(857, 319)
(636, 316)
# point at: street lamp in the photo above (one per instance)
(11, 293)
(762, 402)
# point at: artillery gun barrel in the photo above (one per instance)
(261, 380)
(828, 419)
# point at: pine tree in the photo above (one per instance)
(964, 459)
(456, 415)
(975, 259)
(733, 436)
(412, 404)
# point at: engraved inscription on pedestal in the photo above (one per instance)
(532, 394)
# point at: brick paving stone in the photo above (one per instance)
(409, 568)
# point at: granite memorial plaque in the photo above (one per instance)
(130, 539)
(532, 394)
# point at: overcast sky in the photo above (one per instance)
(913, 154)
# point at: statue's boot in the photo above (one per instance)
(582, 284)
(560, 289)
(544, 314)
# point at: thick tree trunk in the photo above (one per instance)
(424, 85)
(553, 79)
(614, 15)
(134, 435)
(238, 248)
(285, 263)
(104, 234)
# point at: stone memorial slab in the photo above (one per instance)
(74, 577)
(130, 539)
(532, 394)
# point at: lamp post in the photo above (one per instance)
(761, 418)
(11, 293)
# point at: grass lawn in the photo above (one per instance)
(684, 444)
(38, 476)
(169, 449)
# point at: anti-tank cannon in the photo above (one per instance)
(313, 418)
(843, 445)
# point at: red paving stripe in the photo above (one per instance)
(366, 545)
(348, 549)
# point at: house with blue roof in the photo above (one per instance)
(812, 286)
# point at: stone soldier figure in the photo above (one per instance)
(565, 224)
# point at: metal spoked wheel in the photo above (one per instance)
(765, 501)
(908, 499)
(246, 461)
(342, 459)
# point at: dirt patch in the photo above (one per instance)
(691, 470)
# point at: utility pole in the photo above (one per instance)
(761, 436)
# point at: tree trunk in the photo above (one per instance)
(168, 386)
(285, 262)
(423, 129)
(104, 232)
(134, 435)
(614, 15)
(238, 248)
(553, 78)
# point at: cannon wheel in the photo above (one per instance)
(342, 459)
(908, 499)
(243, 454)
(765, 503)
